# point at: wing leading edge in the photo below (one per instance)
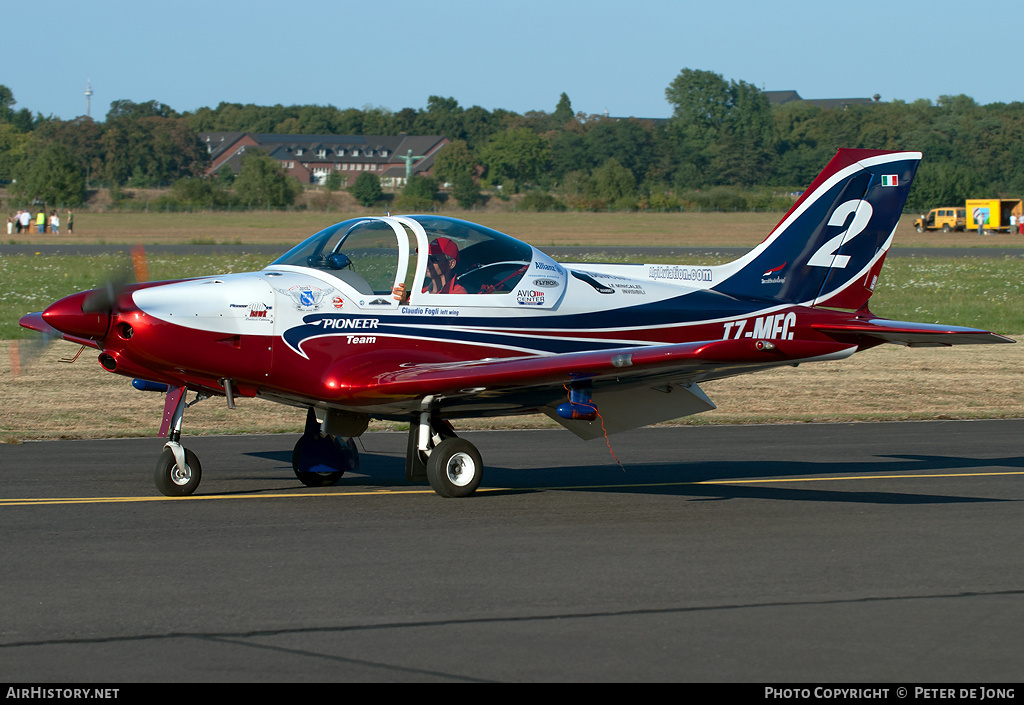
(629, 363)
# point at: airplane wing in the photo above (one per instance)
(631, 386)
(911, 334)
(628, 363)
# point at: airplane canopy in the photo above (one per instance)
(376, 254)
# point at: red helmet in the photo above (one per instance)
(444, 246)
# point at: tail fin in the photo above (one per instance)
(829, 248)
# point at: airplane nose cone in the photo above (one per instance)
(66, 315)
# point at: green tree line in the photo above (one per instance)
(724, 146)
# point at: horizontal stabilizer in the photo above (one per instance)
(912, 334)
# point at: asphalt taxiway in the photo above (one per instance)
(875, 552)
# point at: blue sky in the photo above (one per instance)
(519, 55)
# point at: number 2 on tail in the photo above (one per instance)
(826, 255)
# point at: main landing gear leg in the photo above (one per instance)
(178, 471)
(320, 459)
(451, 465)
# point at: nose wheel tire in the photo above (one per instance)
(454, 468)
(175, 481)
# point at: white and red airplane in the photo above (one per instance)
(429, 319)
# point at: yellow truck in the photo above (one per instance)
(946, 219)
(993, 214)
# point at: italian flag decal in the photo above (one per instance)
(892, 180)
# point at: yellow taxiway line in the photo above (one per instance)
(391, 492)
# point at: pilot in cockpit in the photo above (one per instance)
(441, 261)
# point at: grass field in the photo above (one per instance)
(52, 399)
(539, 229)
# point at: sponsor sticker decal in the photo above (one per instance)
(530, 297)
(307, 298)
(259, 311)
(774, 280)
(598, 286)
(545, 267)
(686, 274)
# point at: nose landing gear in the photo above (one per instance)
(178, 471)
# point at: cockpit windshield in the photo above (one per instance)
(363, 252)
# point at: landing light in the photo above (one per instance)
(622, 361)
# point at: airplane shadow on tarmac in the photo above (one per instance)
(696, 480)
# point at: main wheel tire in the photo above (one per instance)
(344, 452)
(454, 468)
(173, 481)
